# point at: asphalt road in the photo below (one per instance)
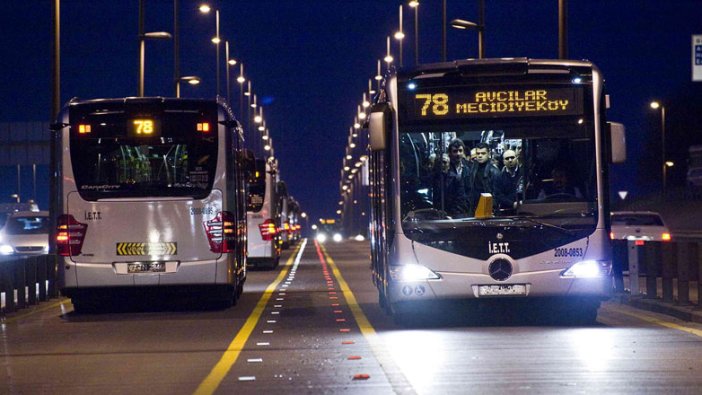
(314, 326)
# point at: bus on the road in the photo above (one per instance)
(149, 193)
(450, 221)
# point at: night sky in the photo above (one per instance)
(310, 60)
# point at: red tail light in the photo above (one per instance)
(69, 235)
(268, 230)
(221, 232)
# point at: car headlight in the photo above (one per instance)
(412, 272)
(587, 269)
(337, 237)
(321, 237)
(6, 249)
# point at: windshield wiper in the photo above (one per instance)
(542, 223)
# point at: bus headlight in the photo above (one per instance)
(6, 249)
(587, 269)
(412, 272)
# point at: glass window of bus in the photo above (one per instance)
(554, 180)
(177, 160)
(257, 186)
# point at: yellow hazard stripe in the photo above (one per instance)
(393, 373)
(33, 311)
(221, 369)
(654, 320)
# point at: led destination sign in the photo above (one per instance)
(436, 104)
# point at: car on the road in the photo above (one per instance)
(25, 233)
(639, 225)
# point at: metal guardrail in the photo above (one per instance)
(670, 271)
(27, 281)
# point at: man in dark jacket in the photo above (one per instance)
(484, 175)
(511, 181)
(452, 181)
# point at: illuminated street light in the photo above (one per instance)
(657, 105)
(388, 58)
(142, 45)
(191, 79)
(400, 35)
(415, 4)
(468, 25)
(205, 9)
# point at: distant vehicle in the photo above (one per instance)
(639, 225)
(263, 215)
(25, 233)
(150, 194)
(328, 229)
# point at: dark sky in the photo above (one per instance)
(310, 61)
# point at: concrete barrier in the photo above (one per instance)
(27, 281)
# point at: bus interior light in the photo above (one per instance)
(83, 129)
(412, 272)
(587, 269)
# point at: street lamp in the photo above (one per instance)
(142, 44)
(415, 4)
(656, 105)
(462, 24)
(205, 9)
(400, 35)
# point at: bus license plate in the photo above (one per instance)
(506, 289)
(146, 267)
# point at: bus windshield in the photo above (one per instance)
(117, 153)
(539, 171)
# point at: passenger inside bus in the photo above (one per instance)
(559, 186)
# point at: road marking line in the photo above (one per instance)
(395, 376)
(221, 369)
(34, 311)
(654, 320)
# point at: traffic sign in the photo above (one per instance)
(622, 194)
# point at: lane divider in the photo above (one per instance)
(654, 320)
(210, 384)
(394, 375)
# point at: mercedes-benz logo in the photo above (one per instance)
(500, 269)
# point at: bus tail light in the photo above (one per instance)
(69, 235)
(221, 232)
(268, 230)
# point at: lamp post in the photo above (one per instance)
(462, 24)
(415, 4)
(205, 9)
(657, 105)
(400, 35)
(142, 44)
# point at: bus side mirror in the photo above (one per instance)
(377, 126)
(617, 135)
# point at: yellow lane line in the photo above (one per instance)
(656, 321)
(397, 379)
(34, 311)
(219, 371)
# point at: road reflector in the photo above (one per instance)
(345, 330)
(348, 342)
(354, 357)
(247, 378)
(361, 376)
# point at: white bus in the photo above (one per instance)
(263, 216)
(437, 235)
(149, 193)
